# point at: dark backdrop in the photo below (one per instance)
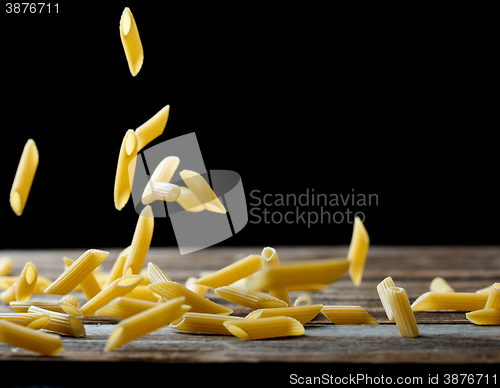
(398, 104)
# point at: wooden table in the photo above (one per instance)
(446, 338)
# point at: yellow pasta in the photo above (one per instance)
(166, 192)
(403, 314)
(27, 282)
(485, 290)
(358, 249)
(61, 323)
(125, 170)
(120, 287)
(302, 298)
(486, 316)
(32, 320)
(199, 304)
(232, 273)
(24, 177)
(140, 242)
(76, 272)
(145, 322)
(156, 274)
(117, 269)
(202, 191)
(131, 42)
(124, 307)
(191, 284)
(152, 128)
(30, 339)
(22, 307)
(270, 261)
(6, 266)
(89, 284)
(438, 284)
(348, 315)
(163, 173)
(383, 285)
(493, 300)
(254, 329)
(203, 323)
(188, 201)
(323, 271)
(251, 299)
(303, 314)
(455, 301)
(9, 295)
(71, 299)
(142, 292)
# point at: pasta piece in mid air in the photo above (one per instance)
(89, 284)
(131, 42)
(358, 250)
(163, 173)
(202, 191)
(188, 201)
(152, 128)
(254, 329)
(140, 242)
(27, 282)
(23, 179)
(156, 274)
(30, 339)
(125, 170)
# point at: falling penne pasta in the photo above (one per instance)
(271, 261)
(188, 201)
(303, 314)
(232, 273)
(6, 266)
(124, 307)
(27, 282)
(403, 314)
(204, 323)
(117, 269)
(156, 274)
(358, 249)
(142, 292)
(24, 177)
(455, 301)
(199, 304)
(70, 309)
(383, 285)
(493, 300)
(145, 322)
(30, 339)
(9, 295)
(71, 299)
(438, 284)
(26, 319)
(348, 315)
(166, 192)
(486, 316)
(131, 42)
(163, 173)
(191, 284)
(61, 323)
(89, 284)
(302, 298)
(152, 128)
(77, 272)
(254, 329)
(202, 191)
(140, 242)
(125, 170)
(251, 299)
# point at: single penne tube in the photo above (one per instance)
(486, 316)
(167, 192)
(145, 322)
(30, 339)
(70, 309)
(348, 315)
(23, 179)
(125, 170)
(251, 299)
(254, 329)
(382, 286)
(140, 242)
(71, 299)
(6, 266)
(117, 269)
(89, 284)
(303, 314)
(156, 274)
(403, 314)
(358, 249)
(142, 292)
(25, 319)
(493, 300)
(271, 261)
(199, 304)
(120, 287)
(454, 301)
(61, 323)
(438, 284)
(202, 191)
(131, 41)
(124, 307)
(41, 284)
(191, 284)
(203, 323)
(485, 290)
(163, 173)
(232, 273)
(188, 201)
(76, 272)
(22, 307)
(324, 271)
(152, 128)
(27, 282)
(302, 298)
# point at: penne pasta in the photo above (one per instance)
(32, 320)
(125, 170)
(9, 295)
(191, 285)
(493, 300)
(142, 292)
(145, 322)
(6, 266)
(348, 315)
(455, 301)
(23, 179)
(30, 339)
(61, 323)
(384, 285)
(251, 299)
(486, 316)
(438, 284)
(117, 269)
(403, 314)
(152, 128)
(120, 287)
(27, 282)
(203, 323)
(303, 314)
(485, 290)
(77, 272)
(271, 261)
(163, 173)
(303, 298)
(254, 329)
(358, 249)
(89, 284)
(156, 274)
(232, 273)
(71, 299)
(131, 41)
(171, 290)
(22, 307)
(140, 242)
(202, 191)
(124, 307)
(166, 192)
(188, 201)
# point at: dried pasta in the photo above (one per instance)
(61, 323)
(383, 285)
(348, 315)
(71, 299)
(156, 274)
(163, 173)
(188, 201)
(152, 128)
(251, 299)
(302, 298)
(303, 314)
(358, 250)
(117, 269)
(255, 329)
(202, 191)
(32, 320)
(403, 314)
(203, 323)
(27, 282)
(30, 339)
(438, 284)
(493, 300)
(271, 261)
(6, 265)
(191, 284)
(89, 284)
(24, 177)
(140, 242)
(124, 307)
(22, 307)
(486, 316)
(455, 301)
(131, 42)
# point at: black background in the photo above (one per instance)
(398, 103)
